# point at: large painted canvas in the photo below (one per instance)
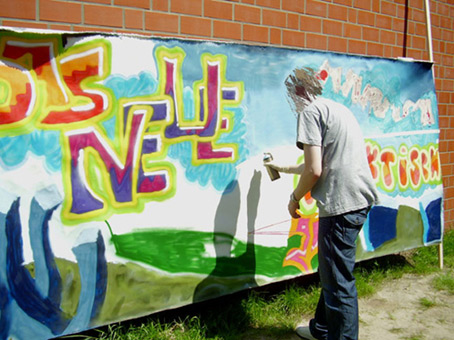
(132, 177)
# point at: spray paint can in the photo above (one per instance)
(273, 173)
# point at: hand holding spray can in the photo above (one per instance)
(273, 173)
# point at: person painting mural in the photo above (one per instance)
(337, 174)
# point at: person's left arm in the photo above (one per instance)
(310, 174)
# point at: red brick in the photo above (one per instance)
(218, 9)
(332, 27)
(338, 12)
(269, 3)
(352, 15)
(316, 8)
(132, 31)
(418, 42)
(363, 4)
(420, 29)
(255, 33)
(24, 9)
(449, 203)
(160, 5)
(275, 36)
(447, 35)
(389, 8)
(398, 25)
(387, 37)
(337, 44)
(59, 27)
(311, 24)
(388, 51)
(193, 7)
(134, 19)
(397, 51)
(401, 10)
(347, 3)
(103, 16)
(450, 48)
(443, 146)
(274, 18)
(226, 30)
(444, 98)
(293, 21)
(411, 28)
(418, 15)
(371, 34)
(316, 41)
(449, 134)
(84, 28)
(248, 14)
(374, 49)
(435, 19)
(443, 9)
(105, 2)
(352, 31)
(447, 60)
(415, 54)
(357, 47)
(437, 32)
(439, 46)
(376, 6)
(196, 26)
(444, 158)
(23, 24)
(161, 22)
(445, 122)
(449, 72)
(446, 22)
(296, 6)
(145, 4)
(366, 18)
(60, 11)
(293, 38)
(384, 21)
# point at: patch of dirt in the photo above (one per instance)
(397, 311)
(407, 308)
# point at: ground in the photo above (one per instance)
(409, 308)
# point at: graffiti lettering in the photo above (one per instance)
(210, 95)
(18, 96)
(405, 169)
(373, 98)
(44, 86)
(101, 175)
(62, 86)
(304, 257)
(82, 67)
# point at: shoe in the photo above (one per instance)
(305, 333)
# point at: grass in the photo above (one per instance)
(445, 282)
(273, 310)
(427, 303)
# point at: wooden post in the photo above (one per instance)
(431, 57)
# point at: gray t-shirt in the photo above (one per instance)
(346, 182)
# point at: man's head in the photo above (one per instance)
(302, 87)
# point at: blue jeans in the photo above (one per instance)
(336, 316)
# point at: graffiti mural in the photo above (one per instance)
(132, 177)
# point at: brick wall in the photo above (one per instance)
(393, 28)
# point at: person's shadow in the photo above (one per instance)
(232, 273)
